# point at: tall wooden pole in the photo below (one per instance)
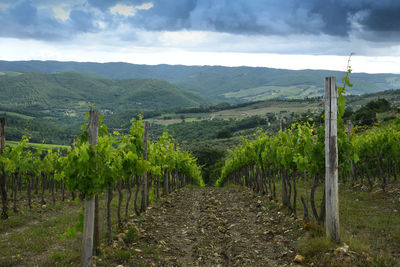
(89, 216)
(96, 234)
(4, 212)
(331, 161)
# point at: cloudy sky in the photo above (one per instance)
(294, 34)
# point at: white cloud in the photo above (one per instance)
(101, 24)
(89, 49)
(145, 6)
(61, 13)
(123, 10)
(129, 11)
(188, 38)
(202, 41)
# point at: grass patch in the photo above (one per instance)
(272, 205)
(123, 255)
(132, 235)
(65, 258)
(311, 246)
(33, 237)
(192, 186)
(38, 235)
(230, 185)
(368, 224)
(112, 256)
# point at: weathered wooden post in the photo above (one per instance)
(3, 191)
(96, 234)
(331, 161)
(145, 182)
(89, 215)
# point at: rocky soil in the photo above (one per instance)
(207, 227)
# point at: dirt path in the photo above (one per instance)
(212, 227)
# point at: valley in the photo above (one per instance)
(218, 84)
(195, 147)
(199, 133)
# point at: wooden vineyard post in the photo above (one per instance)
(145, 182)
(331, 161)
(89, 215)
(96, 234)
(4, 212)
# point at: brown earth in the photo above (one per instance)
(202, 227)
(208, 227)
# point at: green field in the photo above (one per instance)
(262, 108)
(15, 114)
(9, 73)
(271, 92)
(37, 145)
(257, 109)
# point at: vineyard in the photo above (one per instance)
(297, 155)
(124, 198)
(103, 162)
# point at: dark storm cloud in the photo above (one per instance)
(82, 21)
(167, 15)
(383, 19)
(24, 13)
(232, 16)
(334, 16)
(25, 19)
(372, 20)
(331, 17)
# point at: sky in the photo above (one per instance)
(291, 34)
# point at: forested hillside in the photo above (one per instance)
(217, 83)
(225, 144)
(70, 92)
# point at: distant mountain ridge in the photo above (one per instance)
(70, 92)
(217, 83)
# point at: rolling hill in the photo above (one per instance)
(70, 92)
(217, 83)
